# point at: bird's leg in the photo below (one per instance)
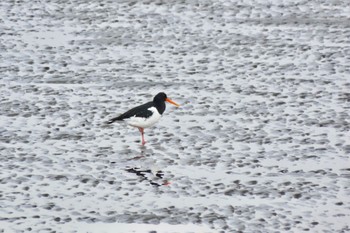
(142, 135)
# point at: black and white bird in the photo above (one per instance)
(145, 115)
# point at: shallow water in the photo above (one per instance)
(259, 144)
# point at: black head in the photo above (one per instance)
(161, 96)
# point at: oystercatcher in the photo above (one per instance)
(145, 115)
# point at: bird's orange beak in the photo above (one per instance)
(172, 102)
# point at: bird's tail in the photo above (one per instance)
(113, 120)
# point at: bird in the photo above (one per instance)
(146, 115)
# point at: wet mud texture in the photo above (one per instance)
(260, 143)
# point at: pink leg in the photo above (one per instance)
(143, 138)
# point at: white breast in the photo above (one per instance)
(145, 122)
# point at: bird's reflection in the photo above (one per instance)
(148, 171)
(142, 154)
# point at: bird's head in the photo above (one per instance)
(161, 96)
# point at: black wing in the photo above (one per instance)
(140, 111)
